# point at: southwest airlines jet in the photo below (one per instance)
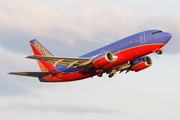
(128, 54)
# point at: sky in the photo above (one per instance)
(70, 28)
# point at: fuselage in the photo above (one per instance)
(127, 49)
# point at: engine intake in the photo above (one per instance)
(103, 59)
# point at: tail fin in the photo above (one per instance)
(40, 50)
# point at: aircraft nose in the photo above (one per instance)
(167, 36)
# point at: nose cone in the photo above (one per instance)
(167, 37)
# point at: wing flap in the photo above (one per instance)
(31, 74)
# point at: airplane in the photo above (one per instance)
(127, 54)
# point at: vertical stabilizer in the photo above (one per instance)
(40, 50)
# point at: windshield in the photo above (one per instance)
(156, 32)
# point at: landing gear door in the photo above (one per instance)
(142, 38)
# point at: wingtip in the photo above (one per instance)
(13, 73)
(30, 56)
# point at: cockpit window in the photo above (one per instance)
(156, 32)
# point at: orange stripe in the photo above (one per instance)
(131, 48)
(42, 67)
(137, 64)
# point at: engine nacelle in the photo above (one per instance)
(141, 63)
(103, 59)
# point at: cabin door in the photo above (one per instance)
(142, 38)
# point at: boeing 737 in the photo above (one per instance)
(128, 54)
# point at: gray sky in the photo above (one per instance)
(72, 28)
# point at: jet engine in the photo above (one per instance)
(103, 59)
(141, 63)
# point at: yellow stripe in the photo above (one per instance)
(139, 46)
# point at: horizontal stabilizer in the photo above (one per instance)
(31, 74)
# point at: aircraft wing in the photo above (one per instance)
(31, 74)
(77, 62)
